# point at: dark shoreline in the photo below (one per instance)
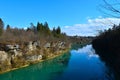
(109, 56)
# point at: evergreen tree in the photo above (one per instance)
(1, 26)
(28, 29)
(46, 26)
(8, 27)
(46, 29)
(38, 26)
(58, 30)
(54, 31)
(33, 28)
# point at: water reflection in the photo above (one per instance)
(84, 64)
(87, 50)
(47, 70)
(80, 64)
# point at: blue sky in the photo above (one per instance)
(63, 13)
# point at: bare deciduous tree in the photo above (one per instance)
(111, 8)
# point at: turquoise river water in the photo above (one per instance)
(79, 64)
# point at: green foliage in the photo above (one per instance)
(46, 27)
(28, 29)
(1, 26)
(107, 45)
(1, 31)
(8, 27)
(43, 29)
(39, 27)
(34, 32)
(33, 28)
(58, 30)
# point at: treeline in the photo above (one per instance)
(40, 32)
(109, 41)
(107, 45)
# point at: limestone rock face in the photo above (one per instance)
(13, 56)
(34, 58)
(15, 53)
(36, 43)
(12, 47)
(32, 45)
(47, 45)
(3, 56)
(61, 45)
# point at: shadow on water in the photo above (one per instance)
(76, 46)
(111, 62)
(47, 70)
(84, 64)
(80, 64)
(108, 48)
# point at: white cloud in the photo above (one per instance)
(87, 49)
(92, 26)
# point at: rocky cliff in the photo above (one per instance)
(15, 56)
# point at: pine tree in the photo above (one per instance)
(46, 29)
(58, 30)
(1, 26)
(54, 31)
(33, 28)
(46, 26)
(8, 27)
(38, 27)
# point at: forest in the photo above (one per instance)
(107, 45)
(41, 32)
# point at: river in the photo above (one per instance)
(79, 64)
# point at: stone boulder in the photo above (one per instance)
(3, 56)
(36, 43)
(47, 45)
(12, 47)
(34, 58)
(61, 44)
(15, 53)
(32, 45)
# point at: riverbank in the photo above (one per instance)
(14, 57)
(107, 46)
(110, 56)
(37, 61)
(76, 63)
(24, 47)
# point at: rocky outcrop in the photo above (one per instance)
(3, 56)
(47, 45)
(12, 47)
(32, 45)
(61, 45)
(13, 56)
(4, 61)
(34, 58)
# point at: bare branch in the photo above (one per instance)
(110, 9)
